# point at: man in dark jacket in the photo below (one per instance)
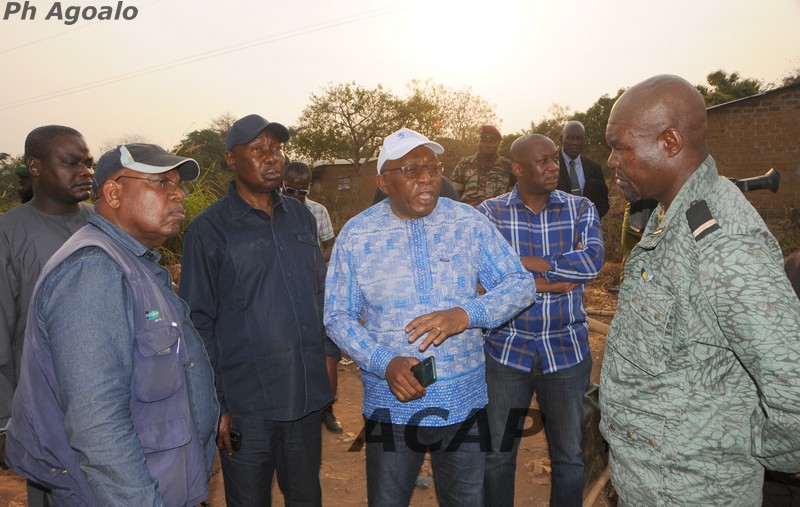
(580, 175)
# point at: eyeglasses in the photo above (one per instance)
(412, 172)
(167, 185)
(298, 191)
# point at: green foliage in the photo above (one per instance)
(441, 112)
(552, 123)
(346, 121)
(791, 79)
(726, 87)
(8, 182)
(201, 193)
(506, 142)
(349, 122)
(207, 145)
(595, 120)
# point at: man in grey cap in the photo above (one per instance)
(253, 275)
(115, 403)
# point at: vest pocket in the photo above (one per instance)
(157, 370)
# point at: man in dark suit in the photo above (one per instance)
(586, 173)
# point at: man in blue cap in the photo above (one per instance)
(253, 275)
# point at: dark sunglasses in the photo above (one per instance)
(298, 191)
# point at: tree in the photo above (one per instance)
(110, 143)
(346, 121)
(595, 120)
(726, 87)
(552, 123)
(791, 79)
(441, 112)
(207, 146)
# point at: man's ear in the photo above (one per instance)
(671, 140)
(516, 169)
(380, 180)
(111, 192)
(34, 166)
(230, 160)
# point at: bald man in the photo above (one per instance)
(700, 386)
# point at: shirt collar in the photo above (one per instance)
(556, 196)
(695, 188)
(240, 207)
(123, 238)
(567, 158)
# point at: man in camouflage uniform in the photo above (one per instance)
(700, 386)
(485, 174)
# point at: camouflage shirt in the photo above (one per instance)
(700, 383)
(483, 182)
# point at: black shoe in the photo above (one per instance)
(330, 421)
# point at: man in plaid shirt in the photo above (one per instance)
(545, 349)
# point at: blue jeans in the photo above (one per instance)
(458, 457)
(560, 398)
(292, 449)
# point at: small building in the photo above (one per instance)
(750, 135)
(336, 185)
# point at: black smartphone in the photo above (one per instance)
(425, 371)
(236, 439)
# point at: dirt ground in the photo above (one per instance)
(343, 473)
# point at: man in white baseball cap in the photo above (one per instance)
(410, 266)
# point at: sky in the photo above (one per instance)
(180, 63)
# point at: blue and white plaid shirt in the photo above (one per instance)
(555, 325)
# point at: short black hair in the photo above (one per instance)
(298, 168)
(37, 144)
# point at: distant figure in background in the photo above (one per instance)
(24, 185)
(580, 175)
(297, 184)
(60, 167)
(485, 174)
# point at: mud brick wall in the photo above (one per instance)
(749, 136)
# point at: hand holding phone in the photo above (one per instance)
(425, 371)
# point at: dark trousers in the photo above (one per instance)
(560, 399)
(458, 458)
(292, 450)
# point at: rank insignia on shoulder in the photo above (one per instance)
(700, 220)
